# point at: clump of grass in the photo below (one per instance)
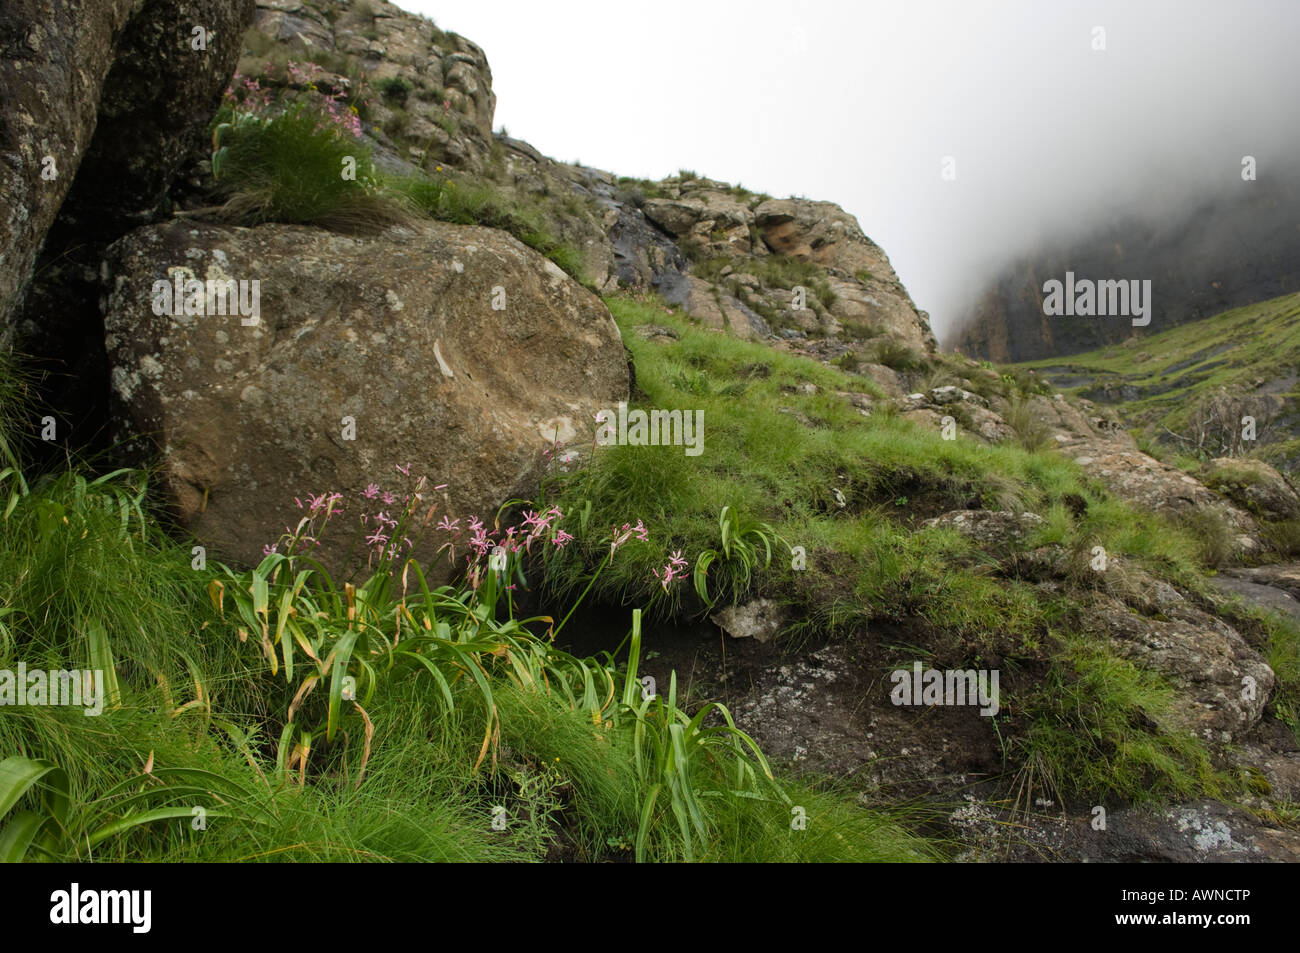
(1096, 731)
(297, 167)
(395, 89)
(1212, 533)
(850, 362)
(468, 203)
(1282, 536)
(895, 354)
(395, 124)
(1031, 432)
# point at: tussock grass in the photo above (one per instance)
(1096, 733)
(297, 164)
(297, 167)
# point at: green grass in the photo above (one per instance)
(771, 468)
(213, 747)
(1177, 372)
(289, 168)
(296, 167)
(1096, 733)
(465, 202)
(777, 271)
(852, 493)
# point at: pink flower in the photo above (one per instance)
(323, 501)
(270, 548)
(389, 499)
(371, 491)
(480, 542)
(561, 537)
(675, 569)
(450, 525)
(628, 531)
(404, 470)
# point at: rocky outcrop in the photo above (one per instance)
(431, 87)
(1097, 442)
(728, 257)
(1255, 487)
(863, 284)
(1149, 484)
(368, 354)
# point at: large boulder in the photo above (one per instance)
(397, 332)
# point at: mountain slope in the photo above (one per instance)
(1187, 388)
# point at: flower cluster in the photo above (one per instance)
(676, 569)
(388, 519)
(248, 95)
(622, 536)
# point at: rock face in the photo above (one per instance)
(51, 76)
(101, 106)
(398, 333)
(1225, 252)
(437, 86)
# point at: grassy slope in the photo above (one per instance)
(852, 491)
(89, 580)
(1173, 370)
(78, 576)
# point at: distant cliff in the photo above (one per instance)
(1223, 252)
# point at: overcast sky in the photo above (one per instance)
(858, 102)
